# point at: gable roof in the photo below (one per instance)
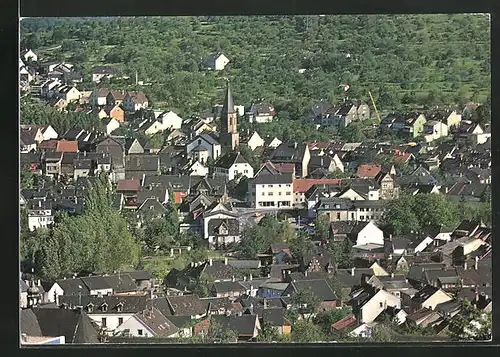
(128, 185)
(229, 159)
(142, 162)
(67, 146)
(244, 325)
(74, 325)
(157, 322)
(318, 287)
(187, 305)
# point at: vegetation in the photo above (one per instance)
(403, 59)
(97, 241)
(471, 324)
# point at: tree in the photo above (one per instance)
(326, 319)
(471, 324)
(322, 227)
(306, 331)
(268, 333)
(305, 303)
(217, 333)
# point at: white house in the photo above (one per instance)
(49, 133)
(40, 216)
(233, 165)
(370, 234)
(154, 127)
(377, 304)
(271, 189)
(255, 141)
(170, 120)
(219, 212)
(26, 74)
(149, 323)
(424, 244)
(206, 143)
(216, 62)
(338, 165)
(197, 169)
(240, 109)
(111, 125)
(98, 97)
(274, 143)
(47, 88)
(29, 55)
(434, 129)
(134, 101)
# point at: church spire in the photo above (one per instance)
(228, 106)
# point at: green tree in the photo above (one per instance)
(471, 324)
(326, 319)
(305, 303)
(269, 333)
(322, 227)
(306, 331)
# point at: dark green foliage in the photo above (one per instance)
(414, 213)
(471, 324)
(326, 319)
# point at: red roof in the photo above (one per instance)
(344, 323)
(128, 185)
(284, 168)
(402, 158)
(48, 144)
(303, 185)
(368, 170)
(67, 146)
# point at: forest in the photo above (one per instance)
(409, 61)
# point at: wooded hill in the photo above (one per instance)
(409, 60)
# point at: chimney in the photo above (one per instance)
(305, 273)
(268, 275)
(245, 278)
(225, 261)
(233, 279)
(211, 262)
(465, 266)
(476, 263)
(251, 288)
(392, 275)
(390, 237)
(251, 277)
(477, 293)
(38, 282)
(352, 271)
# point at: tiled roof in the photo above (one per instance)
(368, 170)
(67, 146)
(347, 321)
(128, 185)
(303, 185)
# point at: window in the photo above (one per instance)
(279, 193)
(338, 216)
(104, 307)
(381, 304)
(253, 193)
(269, 193)
(269, 185)
(245, 171)
(103, 322)
(288, 185)
(362, 218)
(362, 209)
(352, 215)
(288, 193)
(139, 332)
(120, 320)
(119, 307)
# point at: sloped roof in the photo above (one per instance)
(157, 322)
(318, 287)
(187, 305)
(244, 325)
(229, 159)
(128, 185)
(67, 146)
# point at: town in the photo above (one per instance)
(141, 222)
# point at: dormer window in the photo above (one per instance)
(90, 307)
(119, 307)
(104, 307)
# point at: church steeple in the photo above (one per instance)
(228, 106)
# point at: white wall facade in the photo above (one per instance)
(370, 234)
(378, 303)
(271, 196)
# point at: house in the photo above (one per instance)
(227, 289)
(275, 317)
(113, 111)
(428, 297)
(349, 326)
(365, 233)
(115, 147)
(34, 132)
(273, 143)
(115, 97)
(48, 132)
(85, 97)
(223, 233)
(28, 55)
(319, 287)
(233, 165)
(216, 61)
(201, 127)
(129, 188)
(366, 171)
(368, 304)
(133, 101)
(270, 188)
(26, 74)
(69, 94)
(26, 143)
(261, 113)
(40, 214)
(325, 162)
(149, 322)
(196, 168)
(153, 127)
(255, 141)
(434, 130)
(98, 97)
(170, 120)
(187, 305)
(100, 72)
(295, 153)
(423, 317)
(451, 118)
(133, 146)
(246, 327)
(111, 125)
(67, 146)
(59, 104)
(139, 165)
(71, 326)
(202, 147)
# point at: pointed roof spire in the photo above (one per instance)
(228, 106)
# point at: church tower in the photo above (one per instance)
(229, 137)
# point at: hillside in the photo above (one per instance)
(411, 60)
